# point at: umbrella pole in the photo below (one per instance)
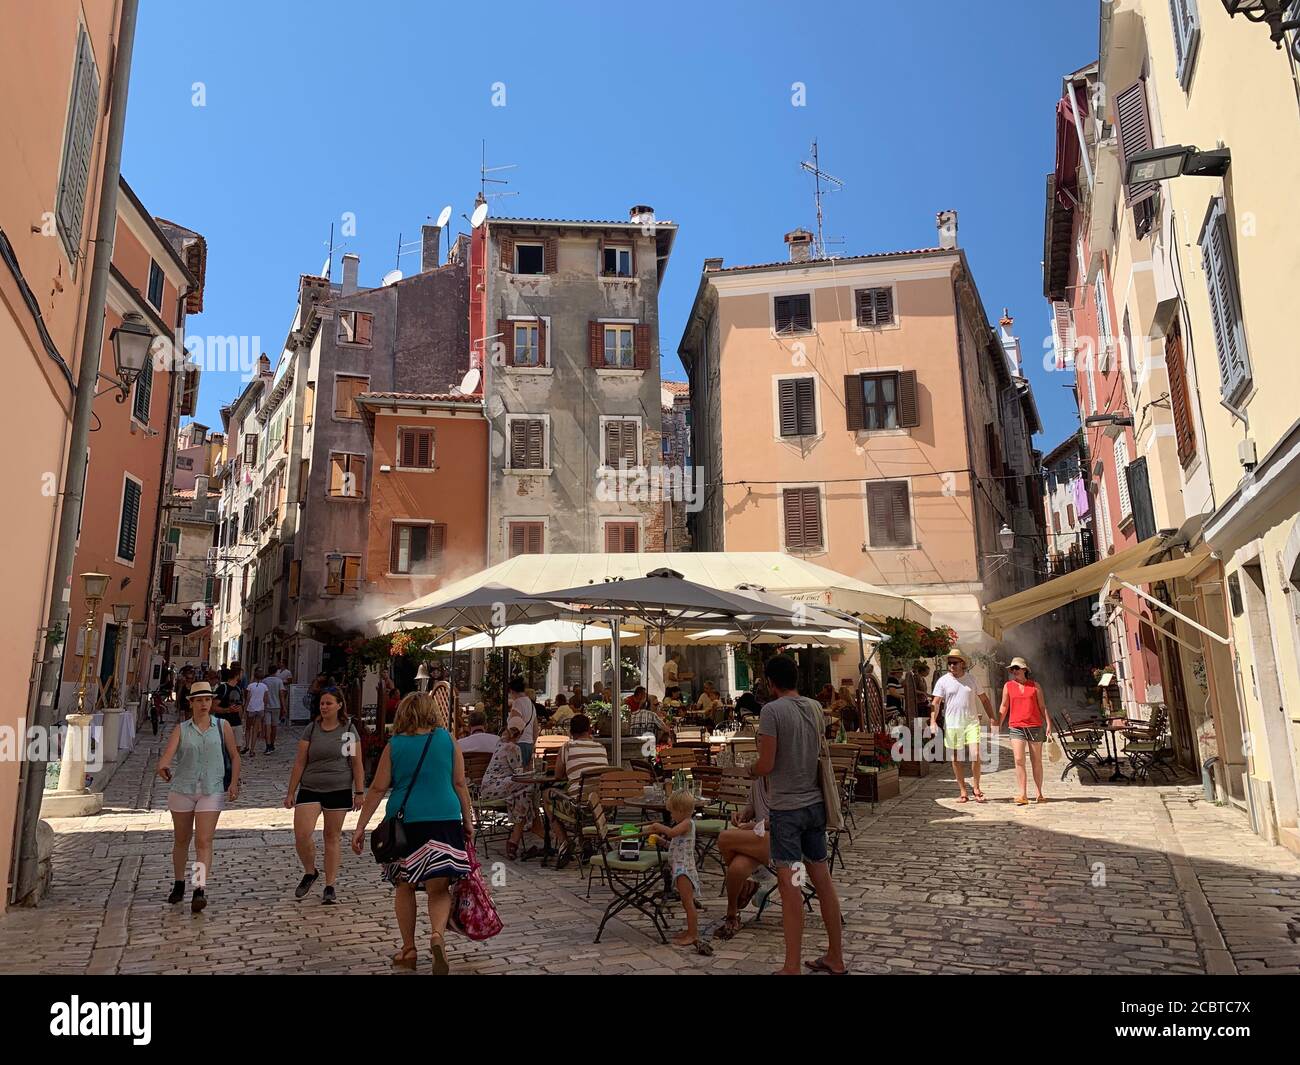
(455, 688)
(615, 711)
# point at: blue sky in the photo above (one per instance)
(379, 109)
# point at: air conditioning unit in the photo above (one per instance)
(169, 553)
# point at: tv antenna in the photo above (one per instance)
(484, 181)
(833, 184)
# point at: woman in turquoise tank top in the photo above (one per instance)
(426, 774)
(198, 789)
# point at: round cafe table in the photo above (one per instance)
(541, 780)
(1112, 727)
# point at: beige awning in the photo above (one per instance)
(1043, 598)
(1164, 571)
(724, 570)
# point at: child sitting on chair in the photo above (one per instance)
(681, 852)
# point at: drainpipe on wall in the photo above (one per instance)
(26, 876)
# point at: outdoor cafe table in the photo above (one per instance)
(542, 780)
(1111, 728)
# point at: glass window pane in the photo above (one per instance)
(404, 549)
(887, 388)
(869, 391)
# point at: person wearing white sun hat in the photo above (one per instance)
(1025, 708)
(959, 696)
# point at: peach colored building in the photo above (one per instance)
(428, 508)
(55, 59)
(131, 456)
(860, 412)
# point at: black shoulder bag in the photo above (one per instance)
(388, 840)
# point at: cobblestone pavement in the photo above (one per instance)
(1104, 878)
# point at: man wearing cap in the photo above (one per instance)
(959, 696)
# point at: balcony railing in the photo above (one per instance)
(1070, 553)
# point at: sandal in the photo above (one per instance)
(1021, 801)
(963, 798)
(979, 796)
(821, 965)
(728, 929)
(406, 958)
(1041, 798)
(440, 965)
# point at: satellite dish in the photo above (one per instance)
(468, 384)
(391, 276)
(325, 267)
(444, 216)
(480, 213)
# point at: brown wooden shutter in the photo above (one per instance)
(879, 514)
(854, 414)
(629, 538)
(506, 251)
(613, 538)
(536, 450)
(1184, 432)
(908, 408)
(613, 442)
(630, 435)
(596, 343)
(395, 549)
(437, 542)
(295, 578)
(518, 444)
(407, 456)
(533, 541)
(424, 448)
(517, 537)
(365, 327)
(788, 408)
(1133, 121)
(541, 343)
(337, 469)
(884, 306)
(357, 467)
(550, 256)
(641, 347)
(803, 525)
(351, 573)
(507, 330)
(900, 513)
(805, 406)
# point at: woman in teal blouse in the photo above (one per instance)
(437, 817)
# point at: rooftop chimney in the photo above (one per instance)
(800, 242)
(642, 213)
(429, 237)
(946, 223)
(351, 265)
(1010, 344)
(200, 491)
(712, 264)
(264, 365)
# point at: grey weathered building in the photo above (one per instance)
(570, 327)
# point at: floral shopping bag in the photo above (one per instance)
(472, 911)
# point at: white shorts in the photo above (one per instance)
(179, 802)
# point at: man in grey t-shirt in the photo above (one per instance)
(789, 747)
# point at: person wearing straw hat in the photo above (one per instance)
(959, 696)
(1024, 707)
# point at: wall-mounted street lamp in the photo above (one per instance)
(1176, 160)
(131, 343)
(1272, 13)
(1006, 541)
(1114, 423)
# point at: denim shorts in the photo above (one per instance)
(798, 834)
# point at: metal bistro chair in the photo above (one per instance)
(1079, 743)
(490, 818)
(1147, 747)
(672, 759)
(636, 883)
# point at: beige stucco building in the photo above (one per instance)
(862, 413)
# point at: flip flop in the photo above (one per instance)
(1041, 798)
(963, 798)
(821, 965)
(405, 959)
(728, 929)
(1021, 801)
(979, 795)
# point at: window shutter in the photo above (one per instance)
(536, 450)
(541, 343)
(550, 258)
(613, 442)
(395, 549)
(351, 573)
(879, 515)
(534, 538)
(641, 347)
(613, 538)
(507, 330)
(1139, 492)
(130, 522)
(407, 454)
(424, 448)
(884, 306)
(337, 469)
(900, 513)
(437, 541)
(1063, 341)
(1184, 432)
(629, 538)
(812, 517)
(365, 327)
(357, 467)
(518, 444)
(855, 416)
(1134, 124)
(79, 139)
(143, 393)
(596, 343)
(908, 409)
(630, 435)
(506, 249)
(190, 392)
(1187, 35)
(805, 406)
(788, 407)
(517, 539)
(1121, 476)
(295, 578)
(1225, 305)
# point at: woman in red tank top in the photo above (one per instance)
(1025, 710)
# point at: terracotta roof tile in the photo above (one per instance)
(844, 259)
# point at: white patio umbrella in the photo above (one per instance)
(561, 633)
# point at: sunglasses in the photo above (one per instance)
(1016, 669)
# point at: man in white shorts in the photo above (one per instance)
(255, 712)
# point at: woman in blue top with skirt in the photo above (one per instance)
(437, 819)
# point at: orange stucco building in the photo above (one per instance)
(428, 509)
(54, 85)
